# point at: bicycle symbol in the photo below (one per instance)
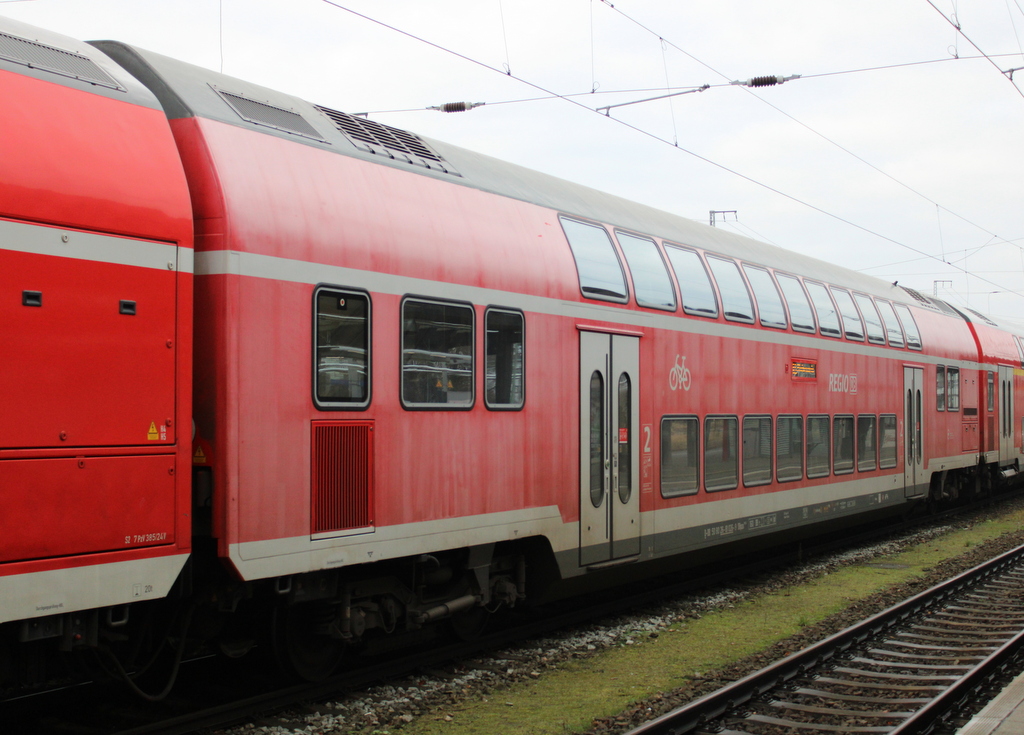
(679, 375)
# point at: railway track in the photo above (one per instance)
(902, 671)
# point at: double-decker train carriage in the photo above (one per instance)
(424, 382)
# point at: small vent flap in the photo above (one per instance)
(52, 59)
(384, 140)
(342, 476)
(270, 116)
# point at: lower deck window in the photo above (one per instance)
(503, 344)
(721, 455)
(818, 446)
(757, 450)
(680, 452)
(842, 444)
(342, 358)
(437, 354)
(867, 446)
(789, 449)
(887, 441)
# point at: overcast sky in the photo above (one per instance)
(874, 170)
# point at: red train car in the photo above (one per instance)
(427, 382)
(96, 313)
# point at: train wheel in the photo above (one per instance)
(301, 647)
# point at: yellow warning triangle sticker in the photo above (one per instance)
(153, 434)
(199, 457)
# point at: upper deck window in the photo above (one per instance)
(736, 301)
(876, 333)
(342, 359)
(800, 312)
(437, 354)
(597, 263)
(828, 317)
(910, 326)
(651, 283)
(853, 327)
(893, 330)
(766, 294)
(694, 283)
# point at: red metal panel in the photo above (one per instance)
(341, 482)
(63, 507)
(97, 377)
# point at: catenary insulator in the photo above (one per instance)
(766, 81)
(456, 106)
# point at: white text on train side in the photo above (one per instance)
(841, 383)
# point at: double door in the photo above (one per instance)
(609, 447)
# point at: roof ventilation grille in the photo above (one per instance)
(983, 317)
(270, 116)
(917, 295)
(37, 55)
(384, 140)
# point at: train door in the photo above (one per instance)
(609, 447)
(1006, 414)
(913, 467)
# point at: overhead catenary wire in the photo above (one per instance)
(655, 137)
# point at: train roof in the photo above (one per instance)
(52, 57)
(186, 90)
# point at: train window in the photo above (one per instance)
(505, 372)
(828, 317)
(694, 283)
(818, 444)
(991, 392)
(596, 439)
(625, 438)
(766, 294)
(680, 453)
(757, 450)
(940, 388)
(789, 448)
(852, 325)
(842, 444)
(887, 441)
(437, 354)
(1020, 349)
(736, 303)
(867, 443)
(909, 326)
(651, 283)
(953, 389)
(876, 332)
(721, 458)
(800, 313)
(342, 359)
(893, 330)
(597, 264)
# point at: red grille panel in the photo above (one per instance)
(342, 476)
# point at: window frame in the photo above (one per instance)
(906, 316)
(736, 317)
(747, 268)
(885, 324)
(335, 405)
(726, 418)
(853, 443)
(410, 406)
(707, 275)
(771, 450)
(697, 455)
(813, 328)
(817, 312)
(818, 474)
(803, 447)
(838, 294)
(883, 464)
(562, 219)
(940, 387)
(861, 299)
(661, 256)
(860, 461)
(952, 396)
(503, 406)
